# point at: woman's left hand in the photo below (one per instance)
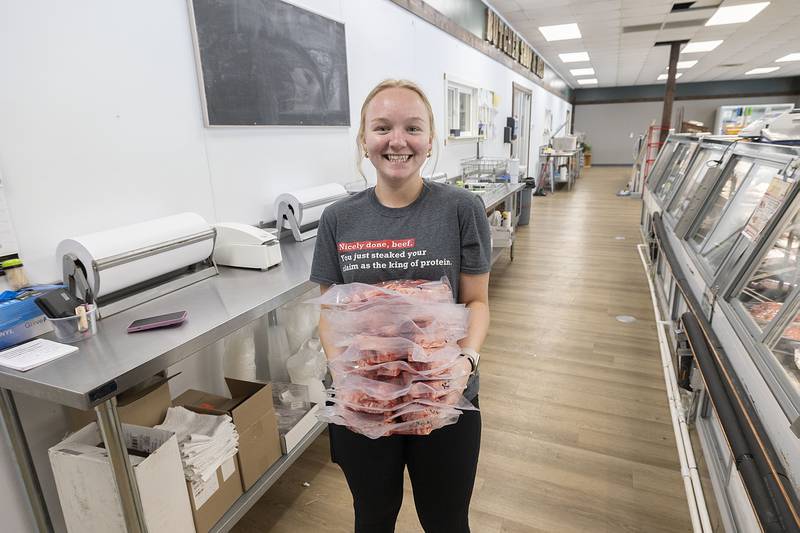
(457, 385)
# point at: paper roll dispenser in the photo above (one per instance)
(240, 245)
(301, 209)
(126, 266)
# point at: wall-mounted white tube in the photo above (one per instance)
(698, 509)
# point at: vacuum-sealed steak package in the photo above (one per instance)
(363, 295)
(397, 367)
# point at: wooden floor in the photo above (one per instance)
(576, 428)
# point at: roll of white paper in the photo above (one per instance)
(105, 244)
(295, 199)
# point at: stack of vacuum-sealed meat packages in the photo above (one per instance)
(396, 365)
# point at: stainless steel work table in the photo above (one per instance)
(499, 193)
(113, 361)
(491, 199)
(549, 162)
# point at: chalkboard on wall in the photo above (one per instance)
(269, 63)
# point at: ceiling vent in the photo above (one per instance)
(683, 24)
(641, 27)
(681, 6)
(732, 65)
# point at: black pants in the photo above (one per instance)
(441, 466)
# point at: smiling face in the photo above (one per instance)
(397, 134)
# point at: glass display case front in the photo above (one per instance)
(662, 160)
(675, 171)
(743, 185)
(767, 303)
(700, 166)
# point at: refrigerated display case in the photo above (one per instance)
(731, 119)
(766, 302)
(751, 176)
(675, 171)
(671, 155)
(725, 248)
(708, 155)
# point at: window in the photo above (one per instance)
(462, 110)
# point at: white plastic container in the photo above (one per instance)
(513, 170)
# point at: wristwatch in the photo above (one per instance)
(473, 357)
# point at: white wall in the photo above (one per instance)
(101, 122)
(609, 127)
(101, 126)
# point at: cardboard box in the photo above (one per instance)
(254, 417)
(212, 499)
(88, 491)
(292, 438)
(145, 405)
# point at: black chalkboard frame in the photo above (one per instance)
(269, 63)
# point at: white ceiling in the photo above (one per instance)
(629, 58)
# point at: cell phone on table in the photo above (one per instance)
(160, 321)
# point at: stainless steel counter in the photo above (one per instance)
(113, 360)
(499, 192)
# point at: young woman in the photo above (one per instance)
(408, 228)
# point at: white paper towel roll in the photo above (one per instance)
(304, 196)
(104, 244)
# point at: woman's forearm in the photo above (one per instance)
(324, 330)
(325, 338)
(478, 325)
(474, 292)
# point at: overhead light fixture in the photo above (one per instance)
(561, 32)
(587, 81)
(662, 77)
(700, 46)
(687, 64)
(736, 14)
(761, 70)
(791, 57)
(574, 57)
(582, 71)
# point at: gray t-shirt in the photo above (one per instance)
(442, 233)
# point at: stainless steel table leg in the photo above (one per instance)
(22, 453)
(111, 430)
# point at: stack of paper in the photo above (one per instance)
(34, 353)
(205, 441)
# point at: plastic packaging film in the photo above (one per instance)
(104, 244)
(303, 196)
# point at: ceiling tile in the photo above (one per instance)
(630, 58)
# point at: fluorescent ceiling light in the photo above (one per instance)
(736, 14)
(560, 32)
(582, 71)
(587, 81)
(664, 76)
(761, 70)
(791, 57)
(687, 64)
(574, 57)
(700, 46)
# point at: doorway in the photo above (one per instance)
(521, 111)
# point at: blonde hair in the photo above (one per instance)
(391, 84)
